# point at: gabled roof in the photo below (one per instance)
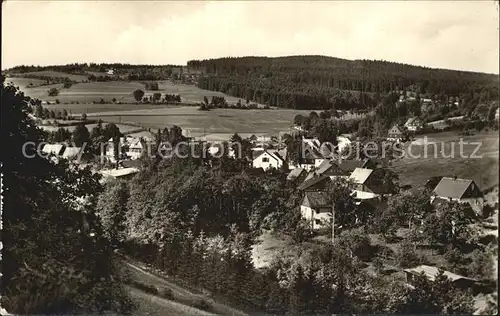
(295, 173)
(71, 152)
(360, 175)
(315, 199)
(350, 165)
(452, 187)
(271, 152)
(55, 149)
(342, 167)
(412, 120)
(310, 175)
(395, 130)
(313, 181)
(431, 272)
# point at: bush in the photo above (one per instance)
(201, 304)
(53, 92)
(165, 292)
(407, 257)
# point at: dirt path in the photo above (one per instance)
(180, 293)
(151, 305)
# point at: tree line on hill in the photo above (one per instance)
(156, 97)
(196, 218)
(318, 82)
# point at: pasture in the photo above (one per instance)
(87, 92)
(441, 156)
(197, 123)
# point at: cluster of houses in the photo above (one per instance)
(123, 155)
(413, 124)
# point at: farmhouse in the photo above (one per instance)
(460, 190)
(431, 273)
(135, 149)
(342, 168)
(316, 209)
(267, 159)
(413, 124)
(395, 134)
(367, 184)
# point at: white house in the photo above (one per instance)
(362, 188)
(316, 209)
(110, 72)
(135, 149)
(267, 159)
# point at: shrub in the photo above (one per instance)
(165, 292)
(201, 304)
(53, 92)
(407, 257)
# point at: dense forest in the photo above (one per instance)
(318, 82)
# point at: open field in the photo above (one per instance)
(225, 121)
(121, 90)
(484, 171)
(23, 83)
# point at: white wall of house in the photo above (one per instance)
(317, 218)
(267, 161)
(363, 195)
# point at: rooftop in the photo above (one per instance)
(431, 273)
(360, 175)
(117, 173)
(452, 187)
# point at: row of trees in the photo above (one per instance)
(156, 97)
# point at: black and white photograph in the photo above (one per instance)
(167, 158)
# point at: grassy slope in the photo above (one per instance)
(484, 171)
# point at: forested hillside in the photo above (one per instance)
(315, 82)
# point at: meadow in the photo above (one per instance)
(484, 171)
(88, 92)
(217, 121)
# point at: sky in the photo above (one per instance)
(455, 35)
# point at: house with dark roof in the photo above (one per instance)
(431, 272)
(463, 191)
(342, 168)
(297, 175)
(395, 134)
(367, 184)
(314, 182)
(316, 209)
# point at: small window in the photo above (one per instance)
(265, 159)
(317, 222)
